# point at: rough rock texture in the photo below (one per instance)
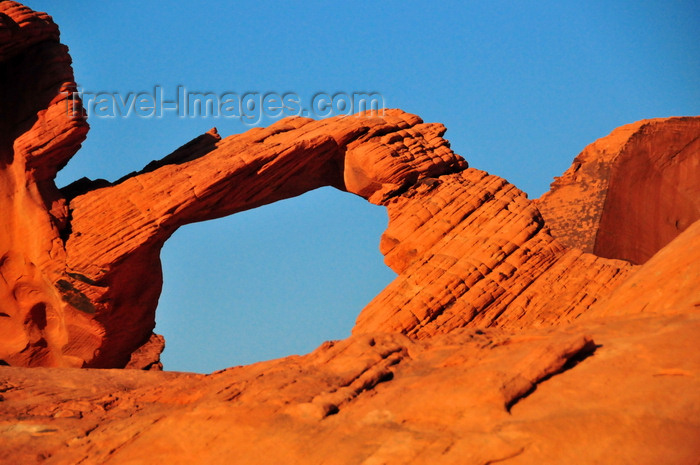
(619, 390)
(517, 331)
(472, 250)
(81, 267)
(628, 194)
(117, 231)
(38, 135)
(614, 392)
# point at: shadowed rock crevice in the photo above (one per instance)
(565, 358)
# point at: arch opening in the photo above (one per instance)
(269, 282)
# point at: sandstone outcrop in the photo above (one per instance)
(556, 330)
(38, 135)
(117, 231)
(623, 389)
(472, 251)
(81, 267)
(470, 248)
(629, 194)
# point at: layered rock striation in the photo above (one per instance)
(555, 330)
(81, 266)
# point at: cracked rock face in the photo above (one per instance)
(559, 330)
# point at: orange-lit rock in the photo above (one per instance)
(117, 231)
(470, 249)
(517, 331)
(625, 391)
(81, 267)
(38, 135)
(630, 193)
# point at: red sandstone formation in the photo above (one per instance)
(117, 231)
(616, 390)
(37, 137)
(612, 391)
(472, 250)
(629, 194)
(560, 330)
(82, 273)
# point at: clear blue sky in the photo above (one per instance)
(521, 86)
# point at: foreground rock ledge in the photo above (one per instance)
(560, 330)
(615, 392)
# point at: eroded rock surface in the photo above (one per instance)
(614, 392)
(81, 267)
(470, 248)
(561, 330)
(37, 136)
(629, 194)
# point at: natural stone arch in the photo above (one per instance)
(118, 230)
(80, 267)
(81, 271)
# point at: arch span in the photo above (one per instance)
(118, 230)
(80, 268)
